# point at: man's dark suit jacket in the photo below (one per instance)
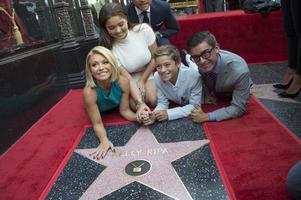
(161, 17)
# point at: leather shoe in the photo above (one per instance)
(288, 95)
(281, 86)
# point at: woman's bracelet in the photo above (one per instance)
(139, 103)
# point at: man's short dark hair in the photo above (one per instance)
(199, 37)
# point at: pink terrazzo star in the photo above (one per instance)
(142, 146)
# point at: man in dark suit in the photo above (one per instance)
(158, 14)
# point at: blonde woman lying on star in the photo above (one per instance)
(105, 90)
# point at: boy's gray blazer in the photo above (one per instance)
(233, 80)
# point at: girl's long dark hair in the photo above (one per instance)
(106, 12)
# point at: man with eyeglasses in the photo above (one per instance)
(224, 74)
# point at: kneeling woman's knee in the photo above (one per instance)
(294, 181)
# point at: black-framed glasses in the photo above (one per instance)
(205, 55)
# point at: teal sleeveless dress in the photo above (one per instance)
(107, 101)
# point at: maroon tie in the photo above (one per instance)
(210, 81)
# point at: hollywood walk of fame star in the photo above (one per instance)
(142, 146)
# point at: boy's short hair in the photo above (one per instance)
(199, 37)
(167, 50)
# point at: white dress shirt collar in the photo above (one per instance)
(139, 13)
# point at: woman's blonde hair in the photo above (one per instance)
(90, 82)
